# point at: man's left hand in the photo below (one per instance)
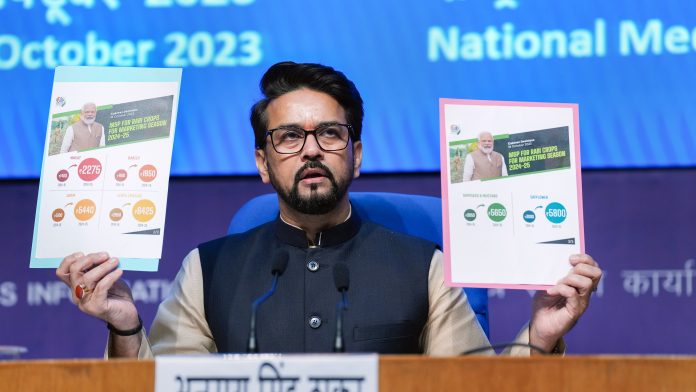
(555, 311)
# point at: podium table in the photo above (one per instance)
(397, 373)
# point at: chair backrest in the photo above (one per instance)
(416, 215)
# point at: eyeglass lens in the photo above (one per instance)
(291, 139)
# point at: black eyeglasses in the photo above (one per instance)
(291, 139)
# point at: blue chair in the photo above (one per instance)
(420, 216)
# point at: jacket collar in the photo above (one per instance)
(293, 235)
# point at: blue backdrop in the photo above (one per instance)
(629, 64)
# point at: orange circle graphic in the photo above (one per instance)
(144, 210)
(58, 214)
(148, 173)
(116, 214)
(85, 209)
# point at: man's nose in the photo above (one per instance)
(311, 147)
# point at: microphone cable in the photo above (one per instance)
(503, 345)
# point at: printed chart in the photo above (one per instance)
(512, 202)
(106, 166)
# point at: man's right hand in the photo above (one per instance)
(104, 296)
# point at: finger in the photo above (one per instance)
(592, 272)
(63, 270)
(94, 275)
(553, 290)
(563, 290)
(84, 264)
(107, 282)
(587, 270)
(582, 259)
(582, 284)
(94, 302)
(77, 270)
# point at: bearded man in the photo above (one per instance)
(308, 146)
(484, 162)
(86, 133)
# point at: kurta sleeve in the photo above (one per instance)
(452, 327)
(180, 326)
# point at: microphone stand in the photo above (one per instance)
(280, 263)
(252, 347)
(342, 281)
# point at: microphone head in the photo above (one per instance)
(280, 261)
(341, 276)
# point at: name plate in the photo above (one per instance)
(267, 372)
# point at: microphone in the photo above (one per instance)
(280, 263)
(341, 280)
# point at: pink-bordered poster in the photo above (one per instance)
(511, 192)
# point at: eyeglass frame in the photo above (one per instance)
(306, 133)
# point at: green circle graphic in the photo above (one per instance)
(497, 212)
(470, 215)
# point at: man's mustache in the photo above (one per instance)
(314, 165)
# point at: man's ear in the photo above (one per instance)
(357, 158)
(262, 165)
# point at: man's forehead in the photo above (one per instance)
(89, 106)
(305, 108)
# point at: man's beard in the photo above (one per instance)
(315, 204)
(88, 121)
(486, 150)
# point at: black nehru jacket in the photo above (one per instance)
(387, 298)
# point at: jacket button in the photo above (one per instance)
(313, 265)
(314, 322)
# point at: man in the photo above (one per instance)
(484, 162)
(85, 133)
(307, 129)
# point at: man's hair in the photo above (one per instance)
(288, 76)
(485, 133)
(88, 104)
